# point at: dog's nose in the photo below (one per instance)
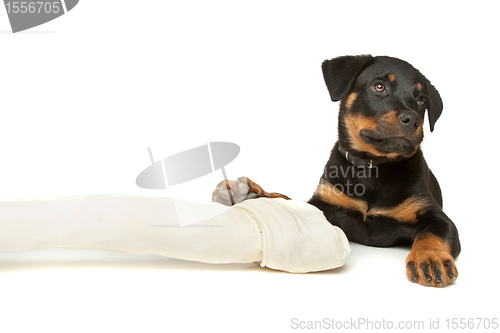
(410, 120)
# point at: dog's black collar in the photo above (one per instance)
(359, 162)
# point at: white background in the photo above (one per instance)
(82, 97)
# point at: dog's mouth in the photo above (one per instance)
(387, 144)
(382, 138)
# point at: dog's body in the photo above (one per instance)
(377, 186)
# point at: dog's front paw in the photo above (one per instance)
(230, 192)
(431, 267)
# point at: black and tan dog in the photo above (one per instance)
(377, 186)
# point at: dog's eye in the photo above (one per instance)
(421, 100)
(379, 87)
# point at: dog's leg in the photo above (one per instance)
(431, 261)
(230, 192)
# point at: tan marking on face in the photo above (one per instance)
(350, 100)
(354, 124)
(407, 211)
(392, 77)
(420, 128)
(332, 195)
(419, 86)
(420, 134)
(391, 118)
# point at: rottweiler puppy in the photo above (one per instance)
(376, 185)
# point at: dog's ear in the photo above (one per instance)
(340, 73)
(435, 107)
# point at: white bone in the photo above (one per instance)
(280, 234)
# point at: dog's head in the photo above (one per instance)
(383, 102)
